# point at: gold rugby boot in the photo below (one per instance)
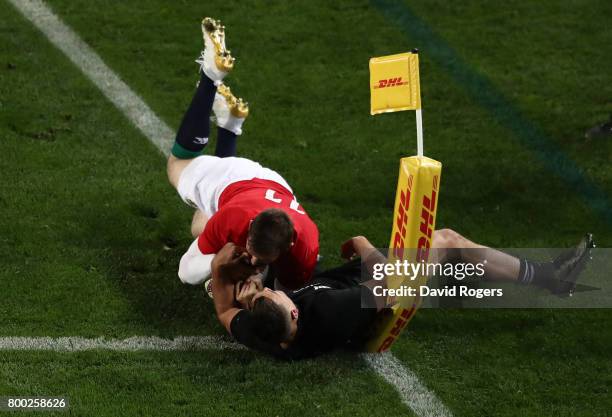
(230, 111)
(215, 60)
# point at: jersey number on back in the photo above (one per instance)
(294, 205)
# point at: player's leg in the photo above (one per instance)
(192, 136)
(174, 169)
(198, 223)
(558, 275)
(450, 246)
(230, 114)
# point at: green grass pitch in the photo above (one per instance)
(91, 233)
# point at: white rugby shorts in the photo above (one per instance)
(206, 177)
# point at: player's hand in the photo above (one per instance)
(349, 250)
(227, 253)
(246, 290)
(232, 263)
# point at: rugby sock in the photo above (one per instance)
(226, 143)
(536, 273)
(193, 133)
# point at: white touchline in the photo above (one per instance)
(118, 92)
(412, 391)
(135, 343)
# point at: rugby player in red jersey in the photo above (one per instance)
(236, 199)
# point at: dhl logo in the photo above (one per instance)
(428, 210)
(399, 325)
(402, 220)
(428, 215)
(390, 82)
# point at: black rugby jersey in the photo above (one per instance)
(331, 315)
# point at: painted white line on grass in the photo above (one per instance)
(414, 394)
(411, 389)
(136, 343)
(98, 72)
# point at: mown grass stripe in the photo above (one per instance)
(484, 92)
(90, 63)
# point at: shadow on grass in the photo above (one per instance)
(141, 242)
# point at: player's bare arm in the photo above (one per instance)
(227, 265)
(360, 247)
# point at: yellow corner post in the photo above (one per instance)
(414, 220)
(395, 86)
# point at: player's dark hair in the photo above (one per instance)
(271, 322)
(271, 232)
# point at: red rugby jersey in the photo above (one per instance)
(240, 203)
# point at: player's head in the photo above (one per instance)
(270, 234)
(275, 316)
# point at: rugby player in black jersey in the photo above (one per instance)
(337, 308)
